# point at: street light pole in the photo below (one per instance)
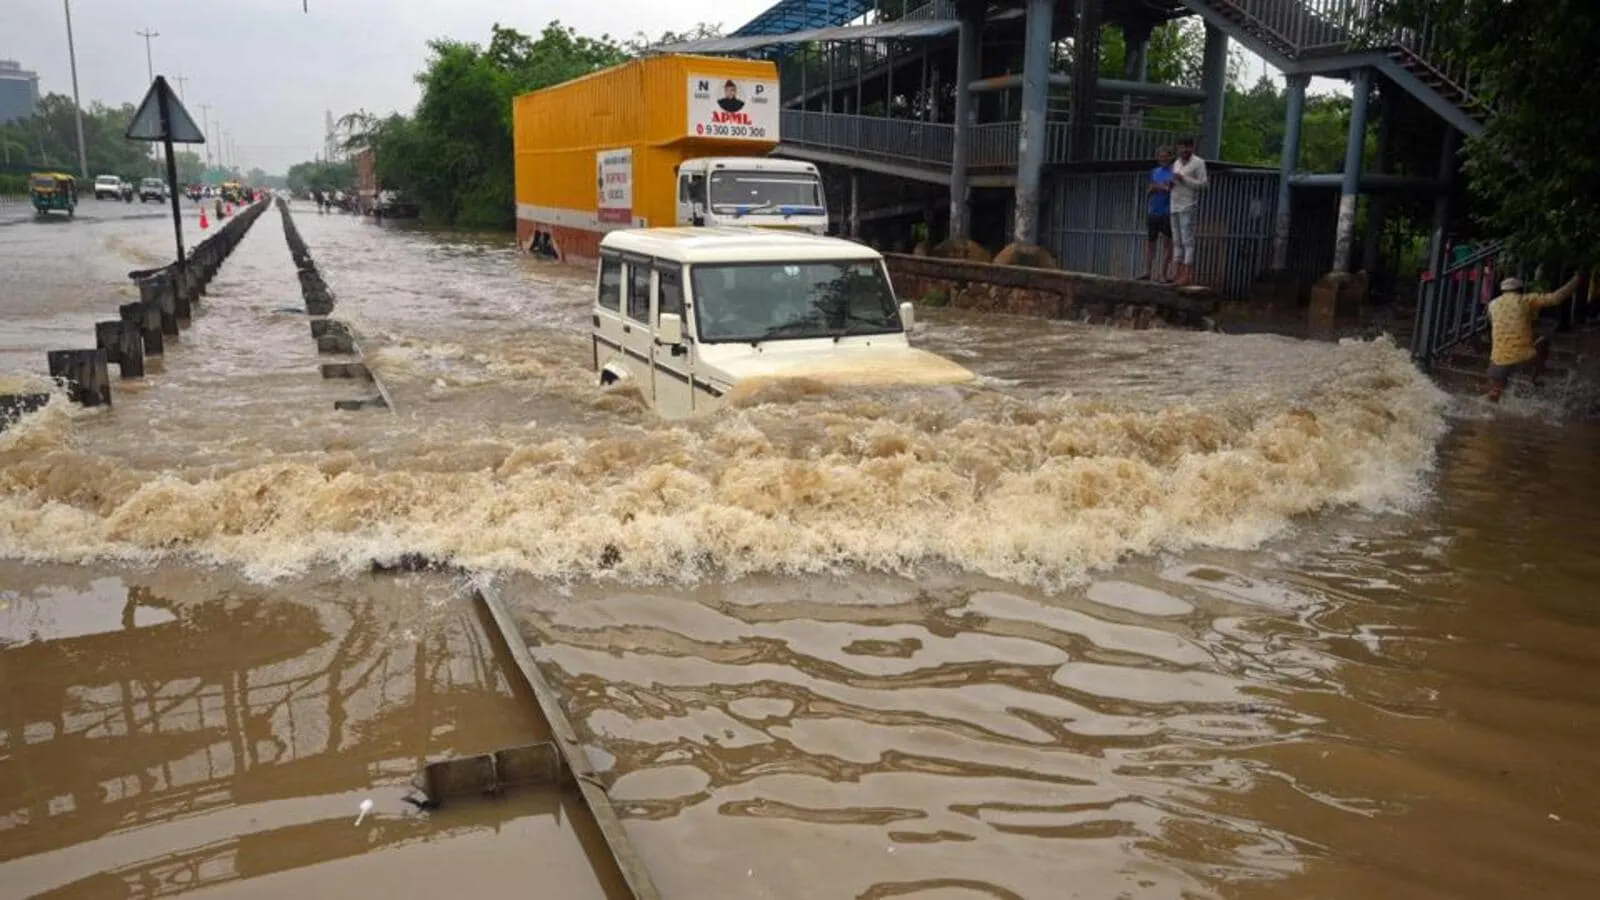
(180, 79)
(150, 69)
(205, 118)
(77, 108)
(147, 34)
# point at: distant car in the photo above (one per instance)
(152, 189)
(107, 186)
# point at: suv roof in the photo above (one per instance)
(727, 244)
(107, 178)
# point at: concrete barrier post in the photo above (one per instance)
(183, 292)
(84, 373)
(130, 351)
(15, 406)
(336, 342)
(146, 319)
(108, 337)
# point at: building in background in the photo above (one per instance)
(19, 91)
(366, 165)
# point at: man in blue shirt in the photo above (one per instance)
(1158, 216)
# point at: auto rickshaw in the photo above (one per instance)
(232, 192)
(53, 191)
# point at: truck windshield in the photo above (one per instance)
(765, 192)
(740, 302)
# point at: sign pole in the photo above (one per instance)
(172, 173)
(161, 117)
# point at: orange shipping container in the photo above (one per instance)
(601, 152)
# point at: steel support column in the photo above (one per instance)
(1032, 133)
(1214, 82)
(1085, 75)
(1378, 203)
(1355, 144)
(967, 37)
(1135, 66)
(1291, 161)
(1429, 304)
(855, 205)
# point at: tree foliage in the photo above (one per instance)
(453, 154)
(49, 140)
(319, 175)
(1253, 114)
(1533, 172)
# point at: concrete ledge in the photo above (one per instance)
(346, 370)
(1051, 294)
(361, 403)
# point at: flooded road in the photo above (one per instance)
(1139, 614)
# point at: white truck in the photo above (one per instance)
(744, 191)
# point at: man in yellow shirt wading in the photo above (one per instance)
(1511, 318)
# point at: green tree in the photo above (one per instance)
(1533, 171)
(49, 139)
(319, 176)
(453, 154)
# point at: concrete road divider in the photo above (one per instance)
(168, 298)
(333, 337)
(84, 374)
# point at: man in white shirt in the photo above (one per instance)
(1188, 179)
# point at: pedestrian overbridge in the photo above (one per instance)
(1000, 134)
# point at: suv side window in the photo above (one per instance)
(638, 292)
(669, 291)
(611, 284)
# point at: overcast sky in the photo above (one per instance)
(269, 70)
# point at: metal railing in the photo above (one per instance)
(994, 144)
(1453, 303)
(907, 140)
(1096, 222)
(1311, 27)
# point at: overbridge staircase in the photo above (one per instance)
(1325, 37)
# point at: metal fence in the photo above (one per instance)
(898, 139)
(1095, 222)
(1306, 27)
(994, 144)
(1452, 304)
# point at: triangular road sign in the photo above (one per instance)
(148, 125)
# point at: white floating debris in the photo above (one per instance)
(366, 807)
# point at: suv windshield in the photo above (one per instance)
(152, 183)
(765, 192)
(785, 301)
(107, 179)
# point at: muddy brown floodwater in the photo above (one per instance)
(1139, 614)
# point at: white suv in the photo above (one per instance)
(108, 186)
(152, 189)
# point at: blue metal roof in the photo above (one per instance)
(879, 31)
(787, 16)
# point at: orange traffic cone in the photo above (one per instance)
(203, 223)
